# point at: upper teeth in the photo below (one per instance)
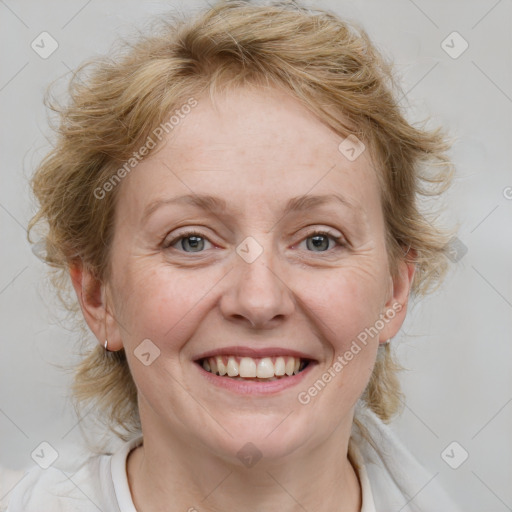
(262, 368)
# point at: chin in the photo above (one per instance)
(260, 436)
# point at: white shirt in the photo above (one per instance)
(390, 479)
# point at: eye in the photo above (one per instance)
(193, 241)
(188, 242)
(320, 241)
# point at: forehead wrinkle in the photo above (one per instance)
(218, 205)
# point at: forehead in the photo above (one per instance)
(251, 141)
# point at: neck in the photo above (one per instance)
(172, 475)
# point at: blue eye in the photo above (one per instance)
(188, 242)
(192, 242)
(195, 243)
(319, 241)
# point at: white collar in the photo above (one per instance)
(120, 476)
(124, 496)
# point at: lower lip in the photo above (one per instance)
(252, 387)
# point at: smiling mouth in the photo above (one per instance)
(254, 369)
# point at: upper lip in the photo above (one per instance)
(241, 351)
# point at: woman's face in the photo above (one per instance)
(215, 254)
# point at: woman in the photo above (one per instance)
(235, 201)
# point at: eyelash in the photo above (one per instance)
(339, 240)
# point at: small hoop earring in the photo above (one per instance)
(106, 343)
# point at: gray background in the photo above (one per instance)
(456, 344)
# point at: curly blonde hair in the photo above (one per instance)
(328, 64)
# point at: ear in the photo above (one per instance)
(395, 309)
(93, 298)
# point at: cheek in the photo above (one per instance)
(346, 308)
(347, 301)
(160, 303)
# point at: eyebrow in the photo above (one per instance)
(217, 205)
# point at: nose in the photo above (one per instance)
(257, 294)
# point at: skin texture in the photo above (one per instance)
(255, 149)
